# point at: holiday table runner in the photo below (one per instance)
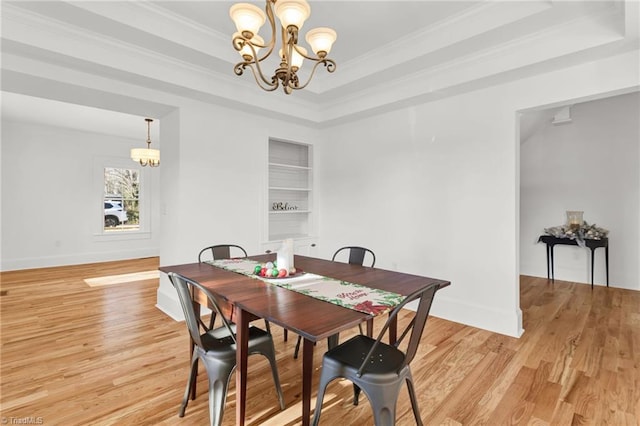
(349, 295)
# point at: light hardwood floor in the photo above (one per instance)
(77, 355)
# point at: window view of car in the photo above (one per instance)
(114, 214)
(121, 200)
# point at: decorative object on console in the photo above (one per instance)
(577, 229)
(248, 19)
(574, 219)
(146, 156)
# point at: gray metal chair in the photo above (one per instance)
(216, 347)
(356, 257)
(222, 251)
(377, 368)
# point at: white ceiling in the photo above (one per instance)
(390, 54)
(31, 109)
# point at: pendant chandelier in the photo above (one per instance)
(292, 14)
(146, 156)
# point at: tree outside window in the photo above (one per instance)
(121, 199)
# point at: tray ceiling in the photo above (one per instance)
(390, 54)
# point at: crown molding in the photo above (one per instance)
(165, 24)
(49, 49)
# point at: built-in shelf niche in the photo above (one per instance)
(290, 190)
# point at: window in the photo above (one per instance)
(121, 188)
(121, 197)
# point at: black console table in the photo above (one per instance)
(551, 241)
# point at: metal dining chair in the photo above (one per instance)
(376, 368)
(221, 251)
(216, 252)
(216, 347)
(356, 256)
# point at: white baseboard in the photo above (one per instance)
(504, 322)
(76, 259)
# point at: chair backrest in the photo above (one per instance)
(416, 326)
(186, 288)
(222, 251)
(356, 255)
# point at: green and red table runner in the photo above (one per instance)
(349, 295)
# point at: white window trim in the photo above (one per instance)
(144, 232)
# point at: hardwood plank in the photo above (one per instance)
(77, 355)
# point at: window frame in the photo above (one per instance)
(144, 202)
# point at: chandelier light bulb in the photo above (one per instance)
(296, 58)
(146, 156)
(292, 12)
(247, 17)
(321, 40)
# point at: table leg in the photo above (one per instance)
(197, 311)
(307, 376)
(242, 343)
(370, 327)
(333, 340)
(393, 331)
(552, 274)
(606, 262)
(548, 254)
(593, 255)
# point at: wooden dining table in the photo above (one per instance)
(311, 318)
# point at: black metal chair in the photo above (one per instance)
(356, 257)
(377, 368)
(222, 251)
(216, 347)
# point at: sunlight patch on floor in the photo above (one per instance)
(121, 279)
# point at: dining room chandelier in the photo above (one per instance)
(248, 19)
(146, 156)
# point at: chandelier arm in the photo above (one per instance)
(288, 44)
(269, 45)
(329, 64)
(259, 72)
(268, 86)
(238, 43)
(240, 67)
(311, 58)
(269, 10)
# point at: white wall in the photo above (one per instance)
(433, 189)
(591, 164)
(214, 184)
(52, 212)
